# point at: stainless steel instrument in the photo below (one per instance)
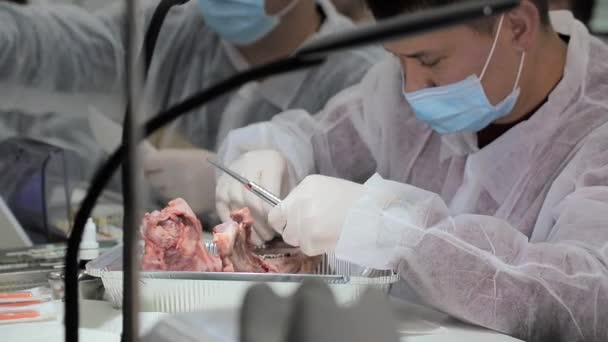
(256, 189)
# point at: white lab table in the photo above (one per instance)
(101, 323)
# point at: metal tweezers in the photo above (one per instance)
(256, 189)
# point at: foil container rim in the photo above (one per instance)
(255, 277)
(330, 269)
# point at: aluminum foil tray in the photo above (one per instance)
(196, 291)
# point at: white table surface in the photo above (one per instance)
(101, 323)
(420, 324)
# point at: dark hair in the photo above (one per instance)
(583, 10)
(389, 8)
(20, 2)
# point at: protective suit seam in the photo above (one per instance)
(547, 288)
(507, 268)
(595, 103)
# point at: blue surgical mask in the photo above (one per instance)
(463, 106)
(240, 22)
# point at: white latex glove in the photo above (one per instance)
(313, 214)
(183, 173)
(268, 169)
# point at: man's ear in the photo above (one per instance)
(525, 25)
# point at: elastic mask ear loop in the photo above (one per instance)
(521, 63)
(485, 67)
(402, 79)
(520, 71)
(287, 9)
(284, 12)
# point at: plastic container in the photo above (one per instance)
(27, 306)
(89, 287)
(24, 314)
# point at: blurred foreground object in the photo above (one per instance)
(311, 314)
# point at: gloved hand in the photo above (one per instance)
(268, 169)
(183, 173)
(313, 214)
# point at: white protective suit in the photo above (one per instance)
(65, 59)
(513, 237)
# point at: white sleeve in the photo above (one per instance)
(340, 141)
(482, 270)
(62, 54)
(63, 48)
(289, 133)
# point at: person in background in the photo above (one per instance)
(59, 129)
(201, 43)
(484, 152)
(582, 9)
(357, 10)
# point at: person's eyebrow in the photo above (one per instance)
(418, 54)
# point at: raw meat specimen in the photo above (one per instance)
(173, 241)
(238, 255)
(233, 247)
(288, 259)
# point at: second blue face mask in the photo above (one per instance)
(240, 22)
(462, 106)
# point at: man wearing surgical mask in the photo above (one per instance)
(483, 149)
(57, 56)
